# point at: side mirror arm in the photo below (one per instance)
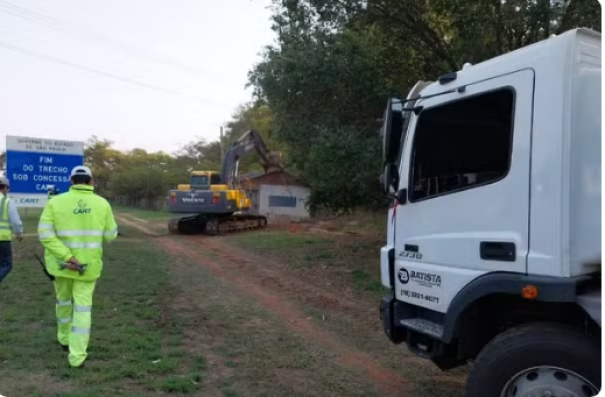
(402, 196)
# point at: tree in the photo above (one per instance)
(143, 175)
(341, 188)
(259, 117)
(336, 62)
(103, 161)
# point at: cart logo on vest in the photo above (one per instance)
(34, 164)
(82, 208)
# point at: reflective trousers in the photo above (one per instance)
(6, 259)
(74, 311)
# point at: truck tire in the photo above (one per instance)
(537, 359)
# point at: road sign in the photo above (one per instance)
(34, 164)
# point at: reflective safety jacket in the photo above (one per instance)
(75, 224)
(6, 230)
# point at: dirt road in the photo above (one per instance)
(341, 343)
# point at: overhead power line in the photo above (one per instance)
(130, 50)
(122, 79)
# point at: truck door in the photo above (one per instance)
(466, 176)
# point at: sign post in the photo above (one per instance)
(34, 164)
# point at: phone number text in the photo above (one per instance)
(418, 295)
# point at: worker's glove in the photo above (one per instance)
(73, 264)
(20, 237)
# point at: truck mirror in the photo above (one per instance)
(389, 179)
(392, 129)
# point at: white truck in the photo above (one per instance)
(493, 252)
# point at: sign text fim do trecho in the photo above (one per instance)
(34, 164)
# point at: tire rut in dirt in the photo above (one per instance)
(386, 381)
(271, 274)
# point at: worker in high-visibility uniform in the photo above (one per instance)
(72, 228)
(51, 192)
(10, 225)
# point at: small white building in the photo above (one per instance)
(277, 195)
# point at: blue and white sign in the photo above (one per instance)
(34, 164)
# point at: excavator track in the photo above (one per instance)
(214, 226)
(235, 224)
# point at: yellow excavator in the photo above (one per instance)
(214, 203)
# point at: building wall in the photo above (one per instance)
(273, 178)
(279, 201)
(254, 197)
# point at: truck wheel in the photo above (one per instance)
(537, 360)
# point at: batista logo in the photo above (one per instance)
(426, 278)
(403, 275)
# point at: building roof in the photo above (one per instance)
(250, 175)
(272, 178)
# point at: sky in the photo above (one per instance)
(150, 74)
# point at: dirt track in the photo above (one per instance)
(271, 285)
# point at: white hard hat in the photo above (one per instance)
(4, 181)
(81, 170)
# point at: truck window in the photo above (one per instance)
(462, 144)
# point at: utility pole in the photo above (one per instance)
(221, 145)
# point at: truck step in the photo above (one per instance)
(424, 326)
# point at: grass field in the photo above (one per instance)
(350, 259)
(143, 214)
(133, 350)
(348, 267)
(278, 312)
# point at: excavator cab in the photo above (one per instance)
(204, 180)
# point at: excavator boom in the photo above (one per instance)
(247, 143)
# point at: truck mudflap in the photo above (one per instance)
(394, 330)
(591, 303)
(399, 320)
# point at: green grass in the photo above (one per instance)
(165, 325)
(279, 242)
(357, 258)
(134, 349)
(363, 221)
(351, 265)
(256, 353)
(147, 215)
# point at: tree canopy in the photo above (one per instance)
(336, 62)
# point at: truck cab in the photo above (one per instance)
(493, 252)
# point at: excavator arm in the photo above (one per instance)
(251, 141)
